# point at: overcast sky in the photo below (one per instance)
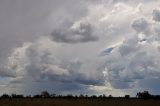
(80, 46)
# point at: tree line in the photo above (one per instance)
(45, 94)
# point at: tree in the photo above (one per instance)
(53, 95)
(94, 97)
(81, 96)
(69, 96)
(16, 96)
(45, 94)
(37, 96)
(144, 95)
(110, 96)
(5, 96)
(127, 96)
(86, 96)
(104, 96)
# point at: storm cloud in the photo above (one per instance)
(87, 46)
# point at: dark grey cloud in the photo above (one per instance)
(156, 15)
(62, 88)
(5, 72)
(140, 25)
(128, 47)
(107, 51)
(76, 34)
(150, 85)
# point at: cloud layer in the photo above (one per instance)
(97, 47)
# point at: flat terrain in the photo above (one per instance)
(78, 102)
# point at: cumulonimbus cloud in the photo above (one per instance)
(66, 59)
(38, 62)
(136, 58)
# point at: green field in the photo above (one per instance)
(78, 102)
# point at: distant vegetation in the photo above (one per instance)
(45, 94)
(47, 99)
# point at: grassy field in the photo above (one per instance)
(78, 102)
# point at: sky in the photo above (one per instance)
(80, 46)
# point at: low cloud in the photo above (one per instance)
(37, 62)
